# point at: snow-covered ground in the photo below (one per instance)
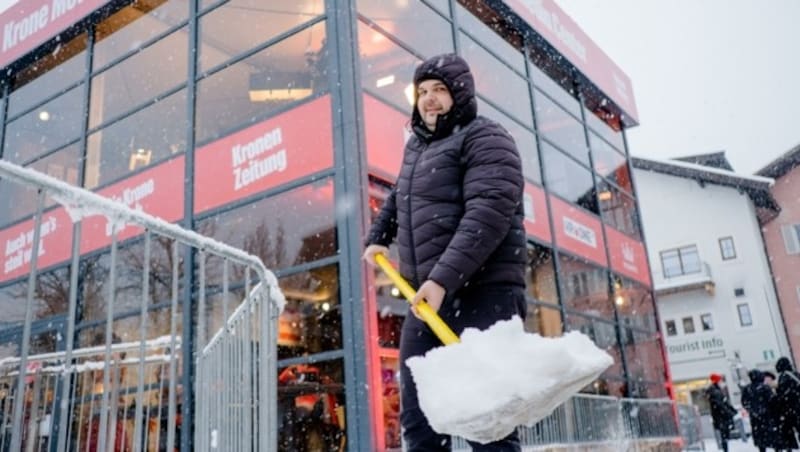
(735, 445)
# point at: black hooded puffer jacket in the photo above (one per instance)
(456, 208)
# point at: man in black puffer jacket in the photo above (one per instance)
(456, 211)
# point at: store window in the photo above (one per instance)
(311, 321)
(607, 125)
(609, 163)
(140, 78)
(643, 356)
(413, 23)
(259, 86)
(141, 140)
(496, 81)
(688, 325)
(45, 128)
(240, 25)
(745, 317)
(561, 128)
(544, 320)
(311, 398)
(584, 287)
(54, 72)
(634, 303)
(50, 298)
(136, 24)
(387, 70)
(727, 248)
(391, 307)
(680, 261)
(489, 37)
(129, 271)
(18, 201)
(541, 275)
(604, 336)
(671, 328)
(568, 179)
(618, 209)
(523, 137)
(304, 229)
(561, 95)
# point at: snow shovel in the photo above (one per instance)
(486, 383)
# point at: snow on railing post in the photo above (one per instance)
(19, 395)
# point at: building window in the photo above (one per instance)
(727, 249)
(680, 261)
(672, 330)
(688, 325)
(707, 322)
(791, 238)
(745, 319)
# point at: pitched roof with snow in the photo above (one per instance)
(782, 165)
(756, 187)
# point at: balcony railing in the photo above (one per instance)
(701, 280)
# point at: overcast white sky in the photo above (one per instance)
(707, 75)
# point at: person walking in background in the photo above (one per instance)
(759, 401)
(457, 213)
(722, 412)
(788, 395)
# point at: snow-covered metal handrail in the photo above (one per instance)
(84, 203)
(77, 405)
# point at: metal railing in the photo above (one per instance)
(110, 394)
(589, 422)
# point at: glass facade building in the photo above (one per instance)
(277, 126)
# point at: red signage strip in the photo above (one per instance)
(386, 134)
(55, 244)
(628, 256)
(577, 231)
(278, 150)
(31, 23)
(536, 221)
(157, 191)
(566, 36)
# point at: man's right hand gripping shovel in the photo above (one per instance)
(431, 318)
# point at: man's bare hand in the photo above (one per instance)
(432, 293)
(372, 250)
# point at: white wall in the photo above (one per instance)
(677, 212)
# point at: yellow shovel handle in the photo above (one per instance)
(442, 331)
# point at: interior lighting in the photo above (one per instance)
(409, 92)
(385, 81)
(140, 157)
(395, 292)
(326, 306)
(604, 195)
(619, 300)
(44, 115)
(274, 86)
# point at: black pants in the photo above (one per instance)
(478, 307)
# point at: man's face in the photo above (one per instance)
(433, 99)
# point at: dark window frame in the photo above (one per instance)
(745, 315)
(722, 248)
(671, 328)
(707, 322)
(688, 321)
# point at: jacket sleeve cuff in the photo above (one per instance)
(447, 277)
